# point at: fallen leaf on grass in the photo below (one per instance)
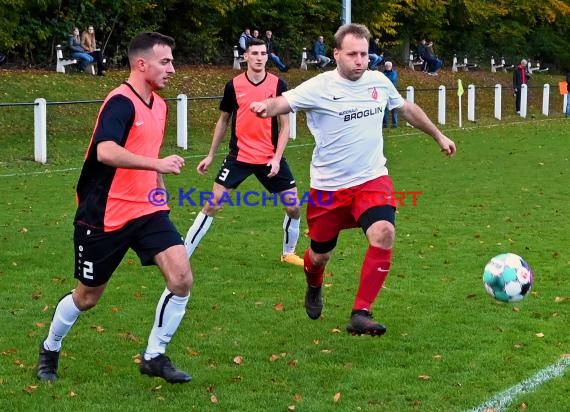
(274, 358)
(291, 408)
(559, 299)
(157, 388)
(238, 360)
(336, 397)
(214, 399)
(424, 377)
(278, 307)
(30, 388)
(540, 335)
(335, 330)
(40, 325)
(297, 397)
(98, 328)
(72, 394)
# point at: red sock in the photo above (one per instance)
(374, 271)
(313, 273)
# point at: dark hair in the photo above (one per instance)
(146, 41)
(357, 30)
(254, 42)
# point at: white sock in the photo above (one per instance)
(291, 235)
(169, 313)
(196, 232)
(65, 315)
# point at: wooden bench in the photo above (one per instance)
(415, 62)
(502, 66)
(238, 60)
(466, 66)
(62, 62)
(305, 61)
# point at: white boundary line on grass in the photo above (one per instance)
(503, 399)
(413, 132)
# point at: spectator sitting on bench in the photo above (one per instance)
(243, 39)
(433, 63)
(255, 34)
(319, 51)
(89, 43)
(375, 55)
(271, 51)
(77, 52)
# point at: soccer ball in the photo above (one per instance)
(507, 277)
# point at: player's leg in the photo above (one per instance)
(284, 184)
(291, 226)
(229, 177)
(205, 218)
(326, 217)
(377, 222)
(159, 243)
(97, 255)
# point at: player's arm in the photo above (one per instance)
(283, 138)
(417, 118)
(113, 127)
(111, 154)
(219, 132)
(271, 107)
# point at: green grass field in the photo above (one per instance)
(246, 338)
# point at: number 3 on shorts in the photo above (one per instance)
(224, 174)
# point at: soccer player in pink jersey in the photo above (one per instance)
(122, 166)
(256, 148)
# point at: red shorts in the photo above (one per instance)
(330, 212)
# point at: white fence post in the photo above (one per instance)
(524, 97)
(471, 102)
(292, 125)
(564, 102)
(454, 64)
(409, 96)
(40, 130)
(182, 121)
(498, 101)
(441, 105)
(545, 99)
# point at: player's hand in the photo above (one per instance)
(447, 146)
(275, 166)
(204, 165)
(259, 108)
(171, 164)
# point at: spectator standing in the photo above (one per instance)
(89, 43)
(256, 147)
(520, 77)
(375, 54)
(319, 51)
(272, 52)
(243, 39)
(77, 51)
(350, 185)
(114, 212)
(391, 74)
(567, 93)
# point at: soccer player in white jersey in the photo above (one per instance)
(350, 186)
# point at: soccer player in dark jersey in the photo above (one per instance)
(122, 166)
(255, 148)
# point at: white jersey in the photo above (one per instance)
(345, 118)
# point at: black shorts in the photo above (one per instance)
(233, 173)
(98, 253)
